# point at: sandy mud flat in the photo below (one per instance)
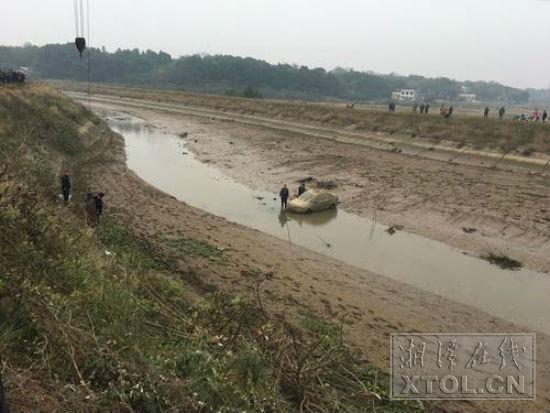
(506, 209)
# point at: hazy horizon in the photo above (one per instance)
(499, 40)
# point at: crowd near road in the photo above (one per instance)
(12, 76)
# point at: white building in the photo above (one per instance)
(467, 95)
(405, 94)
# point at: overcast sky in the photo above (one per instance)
(503, 40)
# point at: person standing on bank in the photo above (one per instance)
(283, 194)
(66, 187)
(98, 200)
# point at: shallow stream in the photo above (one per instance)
(163, 160)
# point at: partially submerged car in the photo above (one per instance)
(312, 201)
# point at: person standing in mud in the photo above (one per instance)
(427, 108)
(422, 107)
(486, 112)
(66, 187)
(501, 113)
(283, 194)
(544, 115)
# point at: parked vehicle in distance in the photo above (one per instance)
(312, 201)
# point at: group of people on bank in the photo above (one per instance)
(536, 116)
(501, 112)
(94, 202)
(12, 76)
(447, 112)
(424, 108)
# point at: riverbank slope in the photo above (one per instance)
(113, 318)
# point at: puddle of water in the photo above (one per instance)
(164, 161)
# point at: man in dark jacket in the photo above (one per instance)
(544, 115)
(66, 186)
(98, 200)
(486, 112)
(283, 194)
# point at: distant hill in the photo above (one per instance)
(240, 76)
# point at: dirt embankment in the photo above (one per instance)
(467, 130)
(302, 280)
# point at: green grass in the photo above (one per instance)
(191, 246)
(130, 250)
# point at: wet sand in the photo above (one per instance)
(165, 161)
(430, 193)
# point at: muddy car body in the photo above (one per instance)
(312, 201)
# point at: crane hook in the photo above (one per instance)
(82, 23)
(80, 43)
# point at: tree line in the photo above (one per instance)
(239, 76)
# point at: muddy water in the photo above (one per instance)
(162, 160)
